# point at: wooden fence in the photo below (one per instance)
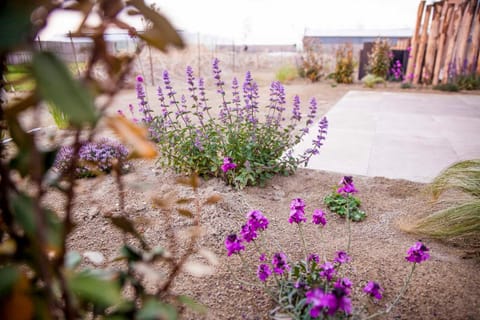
(445, 42)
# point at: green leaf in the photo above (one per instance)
(23, 212)
(56, 85)
(154, 310)
(91, 288)
(16, 26)
(192, 304)
(8, 278)
(130, 253)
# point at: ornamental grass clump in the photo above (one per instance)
(310, 288)
(94, 158)
(230, 140)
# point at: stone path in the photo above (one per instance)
(410, 136)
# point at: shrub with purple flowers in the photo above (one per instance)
(94, 158)
(230, 140)
(309, 288)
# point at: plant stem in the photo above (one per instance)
(397, 298)
(349, 231)
(303, 241)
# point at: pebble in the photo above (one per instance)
(94, 257)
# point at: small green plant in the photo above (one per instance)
(60, 118)
(406, 85)
(449, 87)
(286, 74)
(371, 80)
(342, 202)
(468, 82)
(380, 58)
(345, 64)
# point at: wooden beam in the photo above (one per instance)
(432, 43)
(445, 21)
(414, 45)
(463, 33)
(452, 36)
(473, 51)
(422, 45)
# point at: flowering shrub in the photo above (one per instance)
(345, 65)
(343, 203)
(94, 158)
(310, 288)
(312, 66)
(379, 59)
(195, 137)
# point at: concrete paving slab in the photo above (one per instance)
(410, 136)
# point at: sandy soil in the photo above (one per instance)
(445, 287)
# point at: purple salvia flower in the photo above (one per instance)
(374, 290)
(279, 263)
(296, 114)
(318, 217)
(228, 164)
(233, 244)
(263, 272)
(120, 112)
(342, 257)
(417, 253)
(313, 111)
(328, 271)
(139, 78)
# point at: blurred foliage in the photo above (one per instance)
(286, 74)
(39, 277)
(345, 64)
(371, 80)
(380, 58)
(312, 66)
(449, 87)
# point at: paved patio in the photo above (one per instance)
(410, 136)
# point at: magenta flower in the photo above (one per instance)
(374, 290)
(228, 164)
(347, 186)
(139, 78)
(342, 257)
(417, 253)
(319, 217)
(328, 302)
(257, 220)
(313, 257)
(297, 211)
(263, 272)
(233, 244)
(345, 284)
(248, 233)
(328, 271)
(262, 257)
(279, 262)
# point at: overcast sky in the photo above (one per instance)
(274, 21)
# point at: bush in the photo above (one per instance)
(406, 85)
(312, 65)
(468, 82)
(371, 80)
(192, 138)
(379, 59)
(344, 65)
(449, 87)
(94, 158)
(308, 288)
(286, 74)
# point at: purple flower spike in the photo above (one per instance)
(417, 253)
(347, 186)
(279, 262)
(328, 271)
(342, 257)
(373, 289)
(319, 217)
(257, 220)
(233, 244)
(297, 211)
(263, 272)
(228, 164)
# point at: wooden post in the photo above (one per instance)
(422, 45)
(445, 20)
(474, 46)
(452, 35)
(432, 43)
(414, 45)
(463, 33)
